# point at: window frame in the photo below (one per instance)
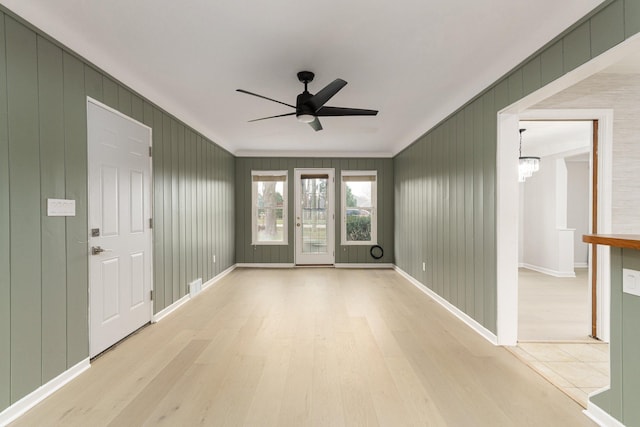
(343, 208)
(254, 207)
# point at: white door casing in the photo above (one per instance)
(120, 282)
(314, 220)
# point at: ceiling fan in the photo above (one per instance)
(309, 106)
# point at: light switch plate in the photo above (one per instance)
(631, 281)
(61, 207)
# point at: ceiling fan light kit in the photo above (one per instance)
(309, 106)
(306, 118)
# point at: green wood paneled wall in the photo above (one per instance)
(445, 181)
(247, 253)
(43, 154)
(5, 247)
(620, 400)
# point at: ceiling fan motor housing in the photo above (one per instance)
(302, 108)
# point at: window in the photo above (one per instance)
(359, 198)
(269, 207)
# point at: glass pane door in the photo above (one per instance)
(314, 213)
(314, 216)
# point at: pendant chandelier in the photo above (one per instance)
(527, 165)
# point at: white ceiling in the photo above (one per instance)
(549, 138)
(415, 60)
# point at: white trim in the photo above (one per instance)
(507, 188)
(507, 191)
(38, 395)
(285, 207)
(472, 323)
(548, 271)
(176, 305)
(507, 225)
(218, 277)
(327, 154)
(581, 265)
(271, 243)
(118, 113)
(170, 309)
(599, 415)
(264, 265)
(344, 208)
(300, 257)
(364, 265)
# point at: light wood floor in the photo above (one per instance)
(552, 308)
(305, 347)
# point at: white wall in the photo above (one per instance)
(547, 244)
(538, 218)
(620, 92)
(578, 207)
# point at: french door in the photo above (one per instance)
(315, 216)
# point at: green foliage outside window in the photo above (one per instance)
(358, 228)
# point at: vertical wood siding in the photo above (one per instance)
(445, 181)
(43, 154)
(247, 253)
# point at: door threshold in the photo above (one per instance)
(315, 265)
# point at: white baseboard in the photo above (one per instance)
(337, 265)
(473, 324)
(23, 405)
(173, 307)
(264, 265)
(581, 265)
(217, 278)
(32, 399)
(364, 265)
(600, 416)
(548, 271)
(169, 309)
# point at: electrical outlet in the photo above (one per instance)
(424, 266)
(214, 259)
(631, 281)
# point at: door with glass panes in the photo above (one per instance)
(314, 216)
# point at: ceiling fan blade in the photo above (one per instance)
(319, 99)
(340, 111)
(272, 117)
(316, 125)
(264, 97)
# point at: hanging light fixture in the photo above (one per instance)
(527, 165)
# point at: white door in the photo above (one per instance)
(119, 226)
(315, 216)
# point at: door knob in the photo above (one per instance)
(298, 225)
(96, 250)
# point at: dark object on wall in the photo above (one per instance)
(376, 252)
(309, 106)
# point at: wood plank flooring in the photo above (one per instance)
(307, 347)
(553, 308)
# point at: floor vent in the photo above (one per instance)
(195, 287)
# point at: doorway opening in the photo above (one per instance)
(315, 216)
(556, 206)
(607, 85)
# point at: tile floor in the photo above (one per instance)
(553, 333)
(578, 369)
